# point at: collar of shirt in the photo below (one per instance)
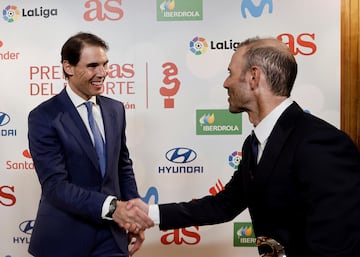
(264, 128)
(81, 108)
(76, 99)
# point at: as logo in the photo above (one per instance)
(110, 10)
(302, 44)
(181, 236)
(7, 197)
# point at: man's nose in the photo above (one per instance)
(102, 71)
(225, 84)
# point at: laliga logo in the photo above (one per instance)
(234, 159)
(170, 71)
(198, 45)
(11, 13)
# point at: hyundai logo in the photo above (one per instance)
(181, 155)
(27, 226)
(4, 119)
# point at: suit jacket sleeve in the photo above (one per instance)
(222, 207)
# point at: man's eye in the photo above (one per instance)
(92, 65)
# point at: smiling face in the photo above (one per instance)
(87, 77)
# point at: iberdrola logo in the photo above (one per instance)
(168, 10)
(244, 234)
(167, 5)
(218, 122)
(207, 119)
(11, 13)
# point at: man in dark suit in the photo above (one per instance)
(302, 183)
(84, 189)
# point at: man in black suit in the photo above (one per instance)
(303, 188)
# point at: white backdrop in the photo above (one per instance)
(168, 61)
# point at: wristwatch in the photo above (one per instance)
(112, 208)
(269, 247)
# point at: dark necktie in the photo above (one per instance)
(98, 140)
(254, 148)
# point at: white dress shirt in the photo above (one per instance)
(264, 128)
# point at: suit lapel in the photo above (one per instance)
(109, 121)
(276, 141)
(71, 120)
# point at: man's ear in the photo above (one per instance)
(254, 76)
(68, 68)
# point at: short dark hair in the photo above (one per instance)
(71, 50)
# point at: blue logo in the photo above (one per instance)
(181, 155)
(254, 10)
(152, 192)
(4, 118)
(27, 226)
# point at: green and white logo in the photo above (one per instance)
(244, 234)
(218, 122)
(179, 10)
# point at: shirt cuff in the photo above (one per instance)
(106, 207)
(154, 213)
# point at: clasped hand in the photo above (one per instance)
(133, 216)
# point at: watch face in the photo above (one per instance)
(112, 208)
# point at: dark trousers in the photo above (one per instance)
(105, 245)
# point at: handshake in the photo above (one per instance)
(133, 215)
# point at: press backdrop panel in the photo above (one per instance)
(168, 61)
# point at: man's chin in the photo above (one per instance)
(98, 90)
